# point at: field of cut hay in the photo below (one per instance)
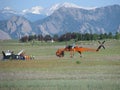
(94, 71)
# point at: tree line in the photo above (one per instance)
(70, 36)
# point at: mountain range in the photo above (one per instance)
(59, 19)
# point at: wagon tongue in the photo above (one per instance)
(20, 52)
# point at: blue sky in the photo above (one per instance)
(25, 4)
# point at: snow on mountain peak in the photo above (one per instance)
(34, 10)
(66, 5)
(41, 10)
(59, 5)
(69, 5)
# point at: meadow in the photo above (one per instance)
(94, 71)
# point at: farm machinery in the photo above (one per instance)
(19, 56)
(75, 48)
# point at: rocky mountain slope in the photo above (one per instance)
(99, 20)
(16, 27)
(63, 19)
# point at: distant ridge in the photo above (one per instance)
(63, 19)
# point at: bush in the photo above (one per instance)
(78, 62)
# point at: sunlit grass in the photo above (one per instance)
(94, 71)
(61, 85)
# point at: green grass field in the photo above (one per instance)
(94, 71)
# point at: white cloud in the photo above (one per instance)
(34, 10)
(7, 8)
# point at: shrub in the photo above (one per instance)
(78, 62)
